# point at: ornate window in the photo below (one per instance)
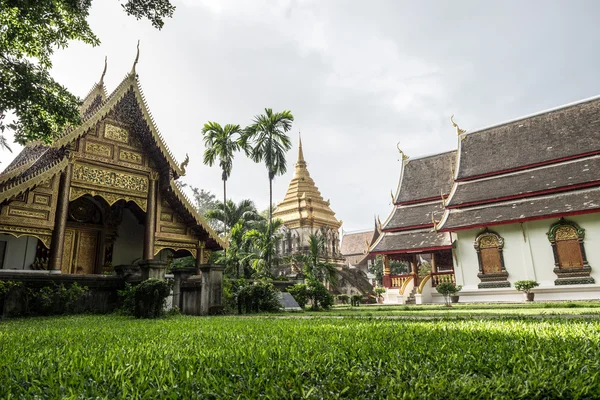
(489, 246)
(570, 263)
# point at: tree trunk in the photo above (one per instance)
(270, 218)
(225, 210)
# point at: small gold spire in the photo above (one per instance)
(454, 124)
(404, 156)
(300, 152)
(442, 196)
(392, 194)
(101, 82)
(137, 57)
(434, 222)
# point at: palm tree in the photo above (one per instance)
(313, 262)
(266, 140)
(220, 144)
(263, 251)
(244, 212)
(237, 253)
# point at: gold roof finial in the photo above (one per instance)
(300, 153)
(434, 222)
(137, 57)
(404, 156)
(392, 194)
(101, 82)
(185, 163)
(454, 124)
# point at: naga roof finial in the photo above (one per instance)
(101, 82)
(137, 57)
(404, 156)
(454, 124)
(184, 164)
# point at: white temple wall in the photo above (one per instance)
(129, 245)
(20, 252)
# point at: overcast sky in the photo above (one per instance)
(358, 76)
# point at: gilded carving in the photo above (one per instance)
(172, 229)
(41, 199)
(166, 217)
(488, 241)
(566, 232)
(98, 148)
(163, 244)
(108, 178)
(116, 133)
(131, 156)
(27, 213)
(111, 198)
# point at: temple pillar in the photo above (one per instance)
(60, 221)
(150, 219)
(433, 264)
(413, 265)
(387, 280)
(212, 289)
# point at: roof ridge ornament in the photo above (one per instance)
(454, 124)
(404, 156)
(137, 57)
(184, 164)
(101, 82)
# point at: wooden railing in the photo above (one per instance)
(397, 281)
(441, 277)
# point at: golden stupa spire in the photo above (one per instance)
(303, 204)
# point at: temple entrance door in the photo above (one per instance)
(80, 251)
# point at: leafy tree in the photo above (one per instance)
(313, 263)
(244, 211)
(236, 257)
(263, 251)
(204, 200)
(220, 144)
(30, 32)
(266, 140)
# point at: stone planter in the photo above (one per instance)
(454, 299)
(529, 296)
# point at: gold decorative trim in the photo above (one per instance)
(175, 246)
(130, 156)
(405, 284)
(42, 199)
(113, 179)
(45, 236)
(116, 133)
(166, 217)
(566, 232)
(22, 187)
(19, 212)
(111, 198)
(173, 229)
(423, 282)
(100, 149)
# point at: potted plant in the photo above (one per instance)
(448, 289)
(525, 287)
(379, 290)
(454, 297)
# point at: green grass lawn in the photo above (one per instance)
(229, 357)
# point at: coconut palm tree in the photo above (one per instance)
(244, 212)
(220, 144)
(266, 140)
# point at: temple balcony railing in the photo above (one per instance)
(396, 281)
(442, 277)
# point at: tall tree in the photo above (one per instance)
(243, 212)
(221, 144)
(266, 140)
(263, 251)
(30, 31)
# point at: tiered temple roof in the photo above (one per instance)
(355, 245)
(535, 167)
(38, 163)
(424, 183)
(303, 205)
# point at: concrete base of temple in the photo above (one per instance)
(153, 269)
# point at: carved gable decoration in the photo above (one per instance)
(570, 262)
(116, 133)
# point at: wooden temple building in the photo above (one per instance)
(102, 195)
(523, 203)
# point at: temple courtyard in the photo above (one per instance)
(540, 350)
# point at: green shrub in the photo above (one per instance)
(525, 286)
(260, 296)
(356, 299)
(343, 298)
(54, 300)
(299, 292)
(150, 297)
(127, 300)
(319, 295)
(448, 289)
